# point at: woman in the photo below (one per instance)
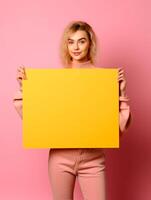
(78, 50)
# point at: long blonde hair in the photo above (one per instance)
(72, 27)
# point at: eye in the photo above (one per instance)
(70, 42)
(82, 41)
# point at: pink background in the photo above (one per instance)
(29, 34)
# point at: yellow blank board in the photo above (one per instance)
(71, 108)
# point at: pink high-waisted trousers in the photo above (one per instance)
(87, 164)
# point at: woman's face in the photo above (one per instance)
(78, 45)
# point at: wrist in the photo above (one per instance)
(20, 89)
(124, 105)
(123, 93)
(124, 98)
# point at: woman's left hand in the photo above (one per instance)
(122, 81)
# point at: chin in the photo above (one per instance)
(78, 58)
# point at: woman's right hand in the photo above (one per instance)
(21, 75)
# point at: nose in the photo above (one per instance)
(76, 46)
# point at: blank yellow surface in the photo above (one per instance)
(71, 108)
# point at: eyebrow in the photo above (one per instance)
(78, 39)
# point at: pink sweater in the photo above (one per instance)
(124, 108)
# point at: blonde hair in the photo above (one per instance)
(72, 27)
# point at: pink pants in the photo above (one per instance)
(88, 164)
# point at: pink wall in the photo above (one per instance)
(29, 35)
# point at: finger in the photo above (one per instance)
(121, 75)
(120, 68)
(21, 68)
(121, 79)
(121, 72)
(20, 75)
(23, 65)
(21, 72)
(19, 79)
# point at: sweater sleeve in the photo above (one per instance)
(125, 116)
(18, 101)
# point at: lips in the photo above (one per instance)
(76, 53)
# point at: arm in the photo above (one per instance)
(18, 98)
(125, 116)
(17, 101)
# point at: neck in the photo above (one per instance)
(81, 64)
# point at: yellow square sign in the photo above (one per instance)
(71, 108)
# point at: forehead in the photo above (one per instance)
(77, 35)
